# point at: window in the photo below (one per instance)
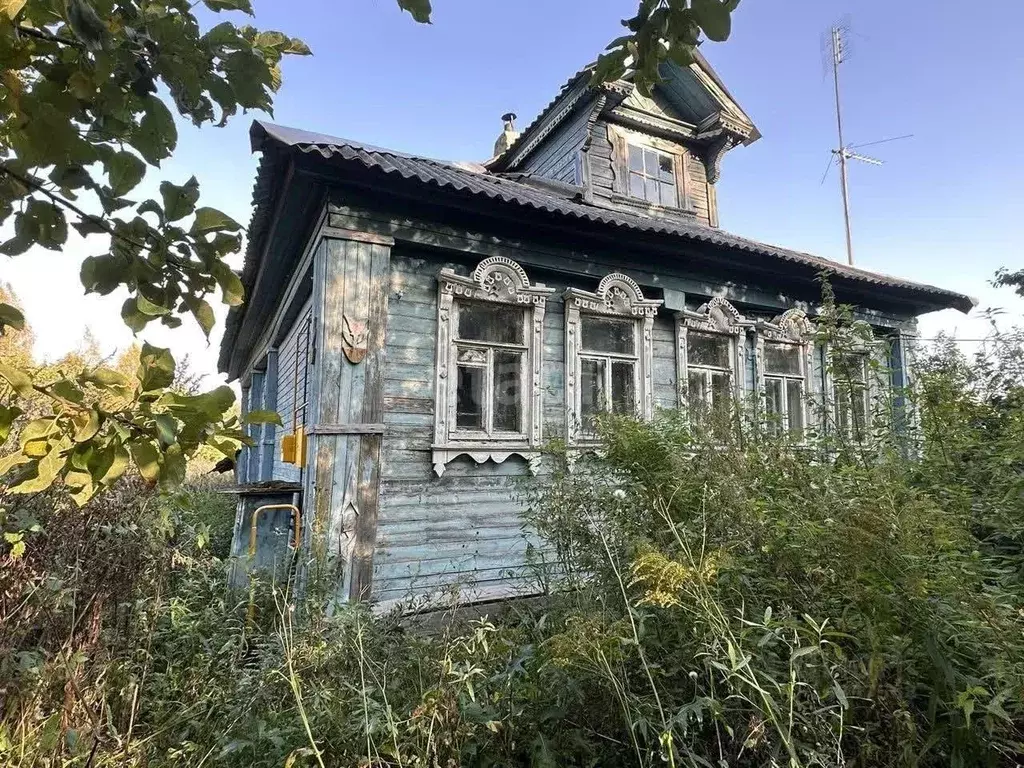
(852, 394)
(608, 354)
(784, 352)
(608, 368)
(490, 363)
(710, 357)
(709, 374)
(487, 385)
(784, 382)
(652, 176)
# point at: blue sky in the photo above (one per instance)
(946, 208)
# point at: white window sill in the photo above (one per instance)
(442, 455)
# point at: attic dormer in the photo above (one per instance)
(660, 154)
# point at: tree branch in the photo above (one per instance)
(42, 34)
(32, 183)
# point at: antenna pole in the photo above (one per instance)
(837, 59)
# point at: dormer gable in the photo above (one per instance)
(660, 152)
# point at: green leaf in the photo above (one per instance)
(124, 171)
(46, 471)
(114, 465)
(105, 377)
(86, 24)
(298, 48)
(418, 9)
(66, 390)
(229, 5)
(166, 429)
(11, 8)
(86, 425)
(8, 413)
(203, 313)
(156, 368)
(18, 379)
(102, 274)
(179, 202)
(262, 417)
(230, 284)
(146, 458)
(174, 467)
(714, 18)
(212, 220)
(11, 317)
(156, 135)
(132, 316)
(150, 308)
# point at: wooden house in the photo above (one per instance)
(426, 329)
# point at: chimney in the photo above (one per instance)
(509, 134)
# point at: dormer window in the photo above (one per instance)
(652, 176)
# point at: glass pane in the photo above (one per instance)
(795, 407)
(607, 334)
(651, 190)
(651, 163)
(782, 358)
(708, 349)
(860, 413)
(472, 356)
(668, 195)
(636, 186)
(665, 170)
(636, 159)
(721, 394)
(508, 392)
(592, 397)
(851, 368)
(469, 401)
(773, 404)
(491, 322)
(843, 409)
(623, 398)
(698, 392)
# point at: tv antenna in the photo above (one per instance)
(836, 49)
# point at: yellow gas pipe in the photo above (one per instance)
(296, 534)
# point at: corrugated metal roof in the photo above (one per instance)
(556, 198)
(546, 197)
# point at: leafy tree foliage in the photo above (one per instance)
(91, 91)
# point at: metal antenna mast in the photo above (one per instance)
(841, 153)
(835, 49)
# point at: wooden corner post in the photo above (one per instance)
(355, 274)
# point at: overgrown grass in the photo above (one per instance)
(731, 601)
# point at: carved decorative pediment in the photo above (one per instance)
(617, 294)
(792, 325)
(716, 316)
(495, 279)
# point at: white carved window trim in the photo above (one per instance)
(720, 318)
(794, 328)
(500, 280)
(618, 296)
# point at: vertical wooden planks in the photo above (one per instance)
(350, 393)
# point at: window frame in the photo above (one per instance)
(622, 139)
(644, 149)
(717, 317)
(495, 280)
(865, 395)
(488, 433)
(792, 328)
(617, 296)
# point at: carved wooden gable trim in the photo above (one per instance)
(617, 295)
(502, 280)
